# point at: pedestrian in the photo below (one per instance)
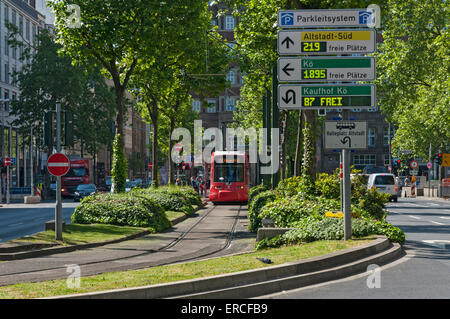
(194, 183)
(201, 185)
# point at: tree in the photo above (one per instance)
(164, 79)
(412, 67)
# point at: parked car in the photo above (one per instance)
(84, 190)
(371, 169)
(384, 183)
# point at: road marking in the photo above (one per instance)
(414, 217)
(434, 204)
(437, 223)
(438, 243)
(17, 224)
(444, 217)
(447, 210)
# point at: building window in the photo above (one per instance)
(27, 30)
(6, 15)
(196, 106)
(229, 22)
(386, 159)
(230, 103)
(7, 72)
(386, 136)
(364, 159)
(371, 137)
(20, 25)
(6, 46)
(231, 77)
(211, 106)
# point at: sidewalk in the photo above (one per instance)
(204, 239)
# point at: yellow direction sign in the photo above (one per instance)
(446, 159)
(333, 41)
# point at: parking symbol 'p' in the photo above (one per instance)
(287, 18)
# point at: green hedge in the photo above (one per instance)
(170, 199)
(311, 229)
(255, 207)
(121, 209)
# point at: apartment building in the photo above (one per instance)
(23, 14)
(217, 111)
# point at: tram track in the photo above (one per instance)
(59, 271)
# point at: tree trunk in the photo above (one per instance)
(298, 148)
(283, 145)
(171, 168)
(309, 145)
(154, 113)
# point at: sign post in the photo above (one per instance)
(311, 43)
(7, 164)
(58, 165)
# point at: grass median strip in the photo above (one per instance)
(76, 234)
(176, 272)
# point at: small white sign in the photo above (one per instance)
(345, 135)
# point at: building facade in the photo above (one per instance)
(29, 21)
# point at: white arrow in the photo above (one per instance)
(438, 243)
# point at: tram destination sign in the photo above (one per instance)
(326, 18)
(345, 135)
(326, 96)
(326, 69)
(325, 42)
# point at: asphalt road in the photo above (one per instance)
(18, 220)
(422, 274)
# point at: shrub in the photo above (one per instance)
(295, 185)
(285, 212)
(255, 191)
(255, 207)
(328, 186)
(186, 192)
(167, 200)
(122, 210)
(315, 228)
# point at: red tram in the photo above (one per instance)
(229, 177)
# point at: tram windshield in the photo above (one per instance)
(228, 172)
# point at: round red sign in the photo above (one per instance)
(58, 164)
(7, 161)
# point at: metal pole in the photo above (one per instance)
(346, 187)
(275, 121)
(58, 209)
(8, 170)
(31, 163)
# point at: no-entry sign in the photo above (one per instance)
(58, 164)
(7, 161)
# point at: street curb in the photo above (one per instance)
(271, 279)
(67, 249)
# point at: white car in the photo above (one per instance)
(384, 183)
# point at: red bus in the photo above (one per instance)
(79, 173)
(229, 177)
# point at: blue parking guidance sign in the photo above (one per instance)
(327, 18)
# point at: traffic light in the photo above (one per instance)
(48, 129)
(439, 158)
(68, 128)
